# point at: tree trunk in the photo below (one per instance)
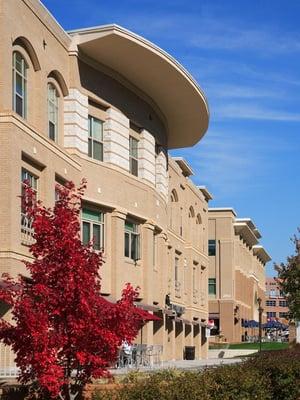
(67, 393)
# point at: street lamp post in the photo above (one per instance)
(260, 311)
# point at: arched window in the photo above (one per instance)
(174, 196)
(19, 84)
(53, 97)
(173, 210)
(200, 233)
(191, 212)
(198, 219)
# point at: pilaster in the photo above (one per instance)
(161, 173)
(76, 121)
(117, 249)
(146, 152)
(116, 139)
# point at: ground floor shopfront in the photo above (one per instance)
(230, 321)
(169, 338)
(179, 338)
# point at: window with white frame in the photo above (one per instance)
(271, 303)
(27, 180)
(132, 240)
(93, 228)
(133, 156)
(53, 96)
(283, 314)
(271, 314)
(95, 140)
(19, 84)
(283, 303)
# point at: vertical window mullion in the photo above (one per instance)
(19, 99)
(95, 149)
(52, 112)
(95, 221)
(23, 87)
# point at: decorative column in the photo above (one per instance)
(148, 283)
(204, 343)
(179, 340)
(197, 341)
(162, 173)
(117, 250)
(116, 139)
(188, 335)
(161, 281)
(76, 121)
(146, 154)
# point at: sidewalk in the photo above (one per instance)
(181, 364)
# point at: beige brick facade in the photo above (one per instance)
(172, 267)
(236, 274)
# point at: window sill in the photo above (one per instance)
(132, 262)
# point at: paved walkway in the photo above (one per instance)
(182, 364)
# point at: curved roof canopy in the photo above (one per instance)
(155, 73)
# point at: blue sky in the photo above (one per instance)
(246, 57)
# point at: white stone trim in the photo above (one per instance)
(76, 121)
(146, 155)
(161, 173)
(116, 139)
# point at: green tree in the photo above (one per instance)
(289, 280)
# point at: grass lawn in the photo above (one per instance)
(255, 346)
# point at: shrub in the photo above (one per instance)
(282, 367)
(272, 375)
(221, 383)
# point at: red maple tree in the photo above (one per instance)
(63, 332)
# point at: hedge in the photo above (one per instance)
(272, 375)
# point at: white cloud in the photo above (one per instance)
(242, 91)
(232, 162)
(254, 112)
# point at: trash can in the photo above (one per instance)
(189, 353)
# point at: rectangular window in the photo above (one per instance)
(283, 315)
(176, 270)
(27, 180)
(212, 287)
(19, 84)
(271, 314)
(93, 228)
(133, 156)
(95, 142)
(194, 280)
(132, 241)
(154, 249)
(59, 183)
(283, 303)
(211, 247)
(271, 303)
(52, 112)
(177, 283)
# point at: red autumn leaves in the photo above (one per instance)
(62, 331)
